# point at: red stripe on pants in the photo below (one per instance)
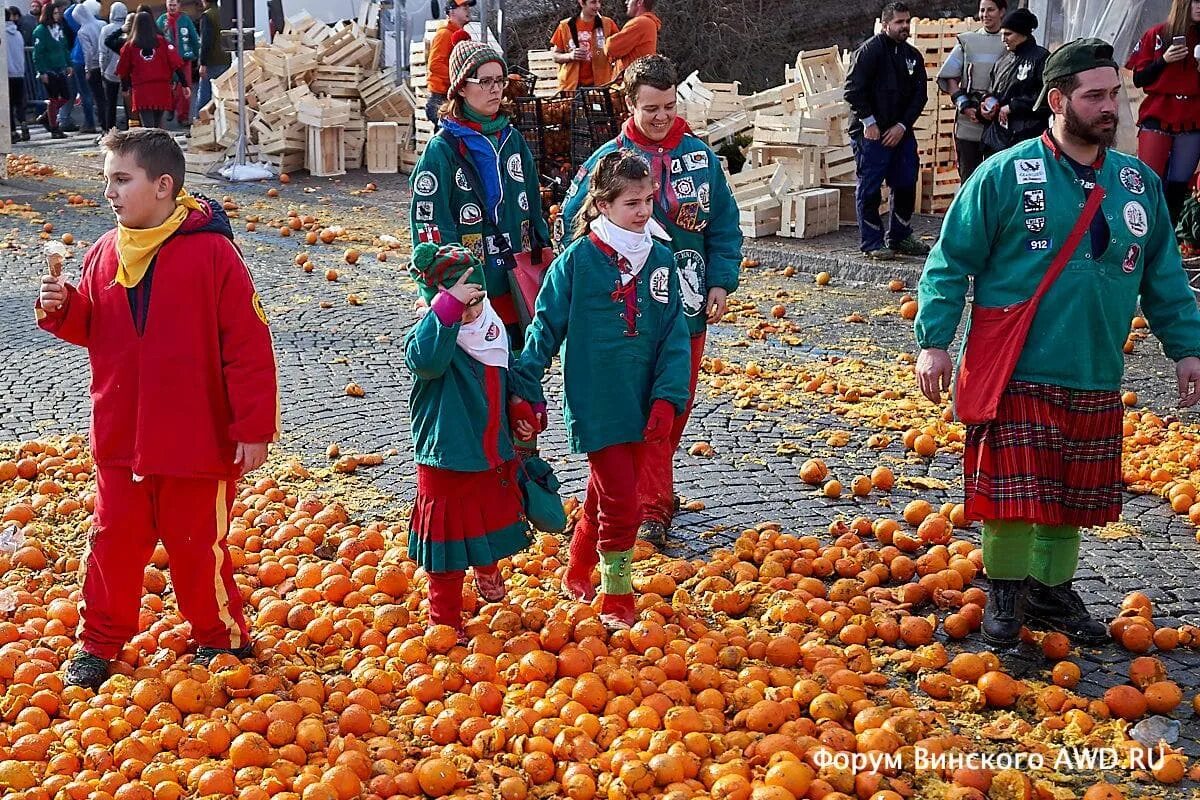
(191, 517)
(656, 480)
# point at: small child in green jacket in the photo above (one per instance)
(611, 301)
(468, 511)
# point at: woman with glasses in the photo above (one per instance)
(477, 182)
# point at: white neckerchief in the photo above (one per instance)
(485, 339)
(635, 247)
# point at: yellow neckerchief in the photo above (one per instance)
(136, 247)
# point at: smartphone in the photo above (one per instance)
(1179, 41)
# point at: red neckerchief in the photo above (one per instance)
(1057, 152)
(626, 292)
(660, 159)
(173, 24)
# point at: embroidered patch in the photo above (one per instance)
(516, 170)
(1131, 258)
(660, 284)
(684, 187)
(1131, 179)
(258, 308)
(523, 201)
(460, 180)
(474, 243)
(696, 160)
(1034, 201)
(492, 334)
(423, 211)
(703, 197)
(1023, 70)
(526, 240)
(470, 214)
(692, 281)
(1030, 170)
(425, 184)
(911, 63)
(676, 166)
(560, 230)
(1038, 245)
(492, 248)
(688, 217)
(429, 233)
(1035, 224)
(1135, 218)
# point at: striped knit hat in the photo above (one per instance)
(437, 266)
(468, 56)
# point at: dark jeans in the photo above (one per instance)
(78, 85)
(16, 104)
(104, 117)
(897, 165)
(112, 96)
(151, 118)
(970, 156)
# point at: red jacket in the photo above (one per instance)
(150, 77)
(1173, 90)
(175, 399)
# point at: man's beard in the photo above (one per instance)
(1091, 133)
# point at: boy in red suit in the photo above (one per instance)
(184, 399)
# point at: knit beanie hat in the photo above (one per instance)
(437, 266)
(1020, 20)
(468, 56)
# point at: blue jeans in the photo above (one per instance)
(78, 85)
(897, 165)
(204, 95)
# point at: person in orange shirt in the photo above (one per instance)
(638, 38)
(578, 45)
(458, 14)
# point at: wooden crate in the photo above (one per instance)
(336, 80)
(938, 187)
(813, 212)
(349, 46)
(203, 162)
(761, 218)
(837, 165)
(541, 64)
(325, 154)
(324, 112)
(382, 154)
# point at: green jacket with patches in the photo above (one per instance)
(446, 208)
(1005, 227)
(610, 378)
(459, 406)
(705, 228)
(187, 40)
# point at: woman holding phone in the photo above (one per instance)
(1164, 65)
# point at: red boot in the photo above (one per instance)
(617, 611)
(582, 559)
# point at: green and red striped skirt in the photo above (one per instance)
(1052, 456)
(466, 519)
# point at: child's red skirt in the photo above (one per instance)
(466, 519)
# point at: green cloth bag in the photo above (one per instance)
(539, 487)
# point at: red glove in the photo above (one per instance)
(662, 418)
(522, 411)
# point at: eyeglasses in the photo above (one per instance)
(489, 84)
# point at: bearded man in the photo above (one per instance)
(1045, 459)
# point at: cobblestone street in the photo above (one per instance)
(752, 474)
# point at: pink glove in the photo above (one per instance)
(662, 418)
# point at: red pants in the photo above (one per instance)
(445, 595)
(183, 102)
(1154, 148)
(610, 513)
(656, 481)
(191, 517)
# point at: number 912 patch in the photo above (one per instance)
(1039, 245)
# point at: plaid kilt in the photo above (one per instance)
(1052, 456)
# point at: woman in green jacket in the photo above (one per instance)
(52, 62)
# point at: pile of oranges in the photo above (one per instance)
(743, 673)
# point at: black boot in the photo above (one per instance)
(87, 670)
(654, 532)
(205, 654)
(1177, 194)
(1005, 612)
(1060, 608)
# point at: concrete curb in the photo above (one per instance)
(773, 252)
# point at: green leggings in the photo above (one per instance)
(1015, 550)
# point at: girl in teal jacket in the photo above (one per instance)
(468, 511)
(611, 301)
(51, 61)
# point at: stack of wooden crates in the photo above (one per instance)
(311, 96)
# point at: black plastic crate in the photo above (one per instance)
(591, 104)
(526, 83)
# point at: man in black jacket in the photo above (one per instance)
(886, 92)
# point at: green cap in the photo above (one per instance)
(1073, 58)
